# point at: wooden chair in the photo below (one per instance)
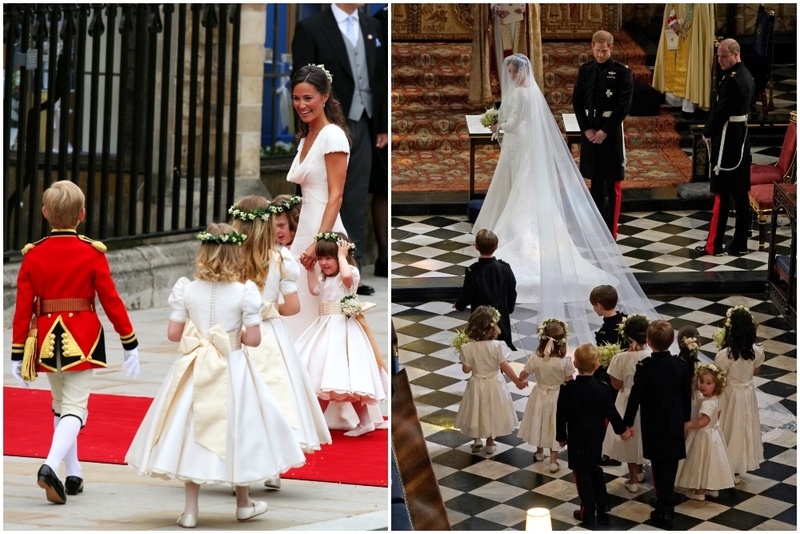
(764, 177)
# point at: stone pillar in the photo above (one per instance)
(251, 83)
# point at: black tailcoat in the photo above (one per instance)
(662, 388)
(733, 97)
(603, 89)
(583, 406)
(491, 282)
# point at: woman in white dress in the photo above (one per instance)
(214, 420)
(548, 226)
(622, 370)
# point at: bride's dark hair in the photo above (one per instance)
(318, 79)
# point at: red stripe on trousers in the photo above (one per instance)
(617, 206)
(712, 232)
(577, 488)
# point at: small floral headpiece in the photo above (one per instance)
(718, 373)
(286, 205)
(248, 216)
(222, 239)
(731, 311)
(543, 325)
(495, 316)
(621, 326)
(323, 69)
(333, 237)
(691, 344)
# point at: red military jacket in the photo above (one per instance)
(66, 265)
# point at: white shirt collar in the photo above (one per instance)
(340, 15)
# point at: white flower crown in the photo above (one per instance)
(543, 324)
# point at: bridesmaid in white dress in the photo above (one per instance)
(275, 273)
(622, 370)
(214, 420)
(741, 358)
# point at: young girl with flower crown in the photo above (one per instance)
(214, 408)
(275, 274)
(633, 330)
(706, 469)
(486, 409)
(551, 368)
(335, 349)
(741, 357)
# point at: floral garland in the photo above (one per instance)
(350, 305)
(326, 71)
(606, 352)
(719, 374)
(252, 215)
(735, 309)
(691, 344)
(221, 239)
(543, 324)
(333, 237)
(621, 326)
(495, 316)
(286, 205)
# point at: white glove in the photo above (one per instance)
(16, 370)
(131, 365)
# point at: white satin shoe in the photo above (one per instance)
(273, 483)
(360, 431)
(249, 512)
(188, 520)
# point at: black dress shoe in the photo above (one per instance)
(588, 520)
(737, 252)
(74, 485)
(365, 290)
(701, 250)
(661, 518)
(609, 461)
(382, 269)
(48, 480)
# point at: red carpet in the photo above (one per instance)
(114, 419)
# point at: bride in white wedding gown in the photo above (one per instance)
(548, 226)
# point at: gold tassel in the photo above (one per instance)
(29, 359)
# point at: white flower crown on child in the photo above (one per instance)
(731, 312)
(691, 344)
(718, 373)
(333, 237)
(543, 324)
(495, 316)
(221, 239)
(326, 71)
(286, 205)
(621, 326)
(264, 213)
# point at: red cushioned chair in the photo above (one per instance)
(780, 172)
(761, 193)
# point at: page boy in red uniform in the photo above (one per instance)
(57, 283)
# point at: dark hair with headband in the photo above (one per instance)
(318, 79)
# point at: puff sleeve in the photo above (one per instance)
(176, 302)
(251, 305)
(356, 279)
(335, 140)
(501, 351)
(709, 407)
(291, 271)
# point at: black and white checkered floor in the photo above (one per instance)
(652, 242)
(492, 492)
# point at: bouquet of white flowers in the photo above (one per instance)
(350, 306)
(489, 118)
(607, 351)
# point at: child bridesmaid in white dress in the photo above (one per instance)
(214, 420)
(486, 409)
(741, 357)
(551, 368)
(621, 370)
(335, 349)
(275, 273)
(706, 469)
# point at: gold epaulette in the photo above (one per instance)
(96, 244)
(27, 248)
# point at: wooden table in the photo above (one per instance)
(480, 135)
(782, 282)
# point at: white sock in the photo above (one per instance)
(71, 463)
(64, 438)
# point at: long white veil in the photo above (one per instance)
(548, 226)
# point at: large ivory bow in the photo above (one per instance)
(206, 358)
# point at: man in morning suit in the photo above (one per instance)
(661, 387)
(602, 99)
(347, 44)
(729, 164)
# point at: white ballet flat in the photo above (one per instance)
(360, 431)
(736, 479)
(554, 467)
(188, 520)
(633, 488)
(538, 456)
(695, 496)
(273, 483)
(712, 493)
(383, 425)
(249, 512)
(490, 449)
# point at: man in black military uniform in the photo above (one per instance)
(729, 164)
(490, 282)
(602, 99)
(662, 388)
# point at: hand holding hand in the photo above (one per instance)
(599, 137)
(522, 384)
(131, 363)
(309, 257)
(686, 426)
(590, 133)
(16, 370)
